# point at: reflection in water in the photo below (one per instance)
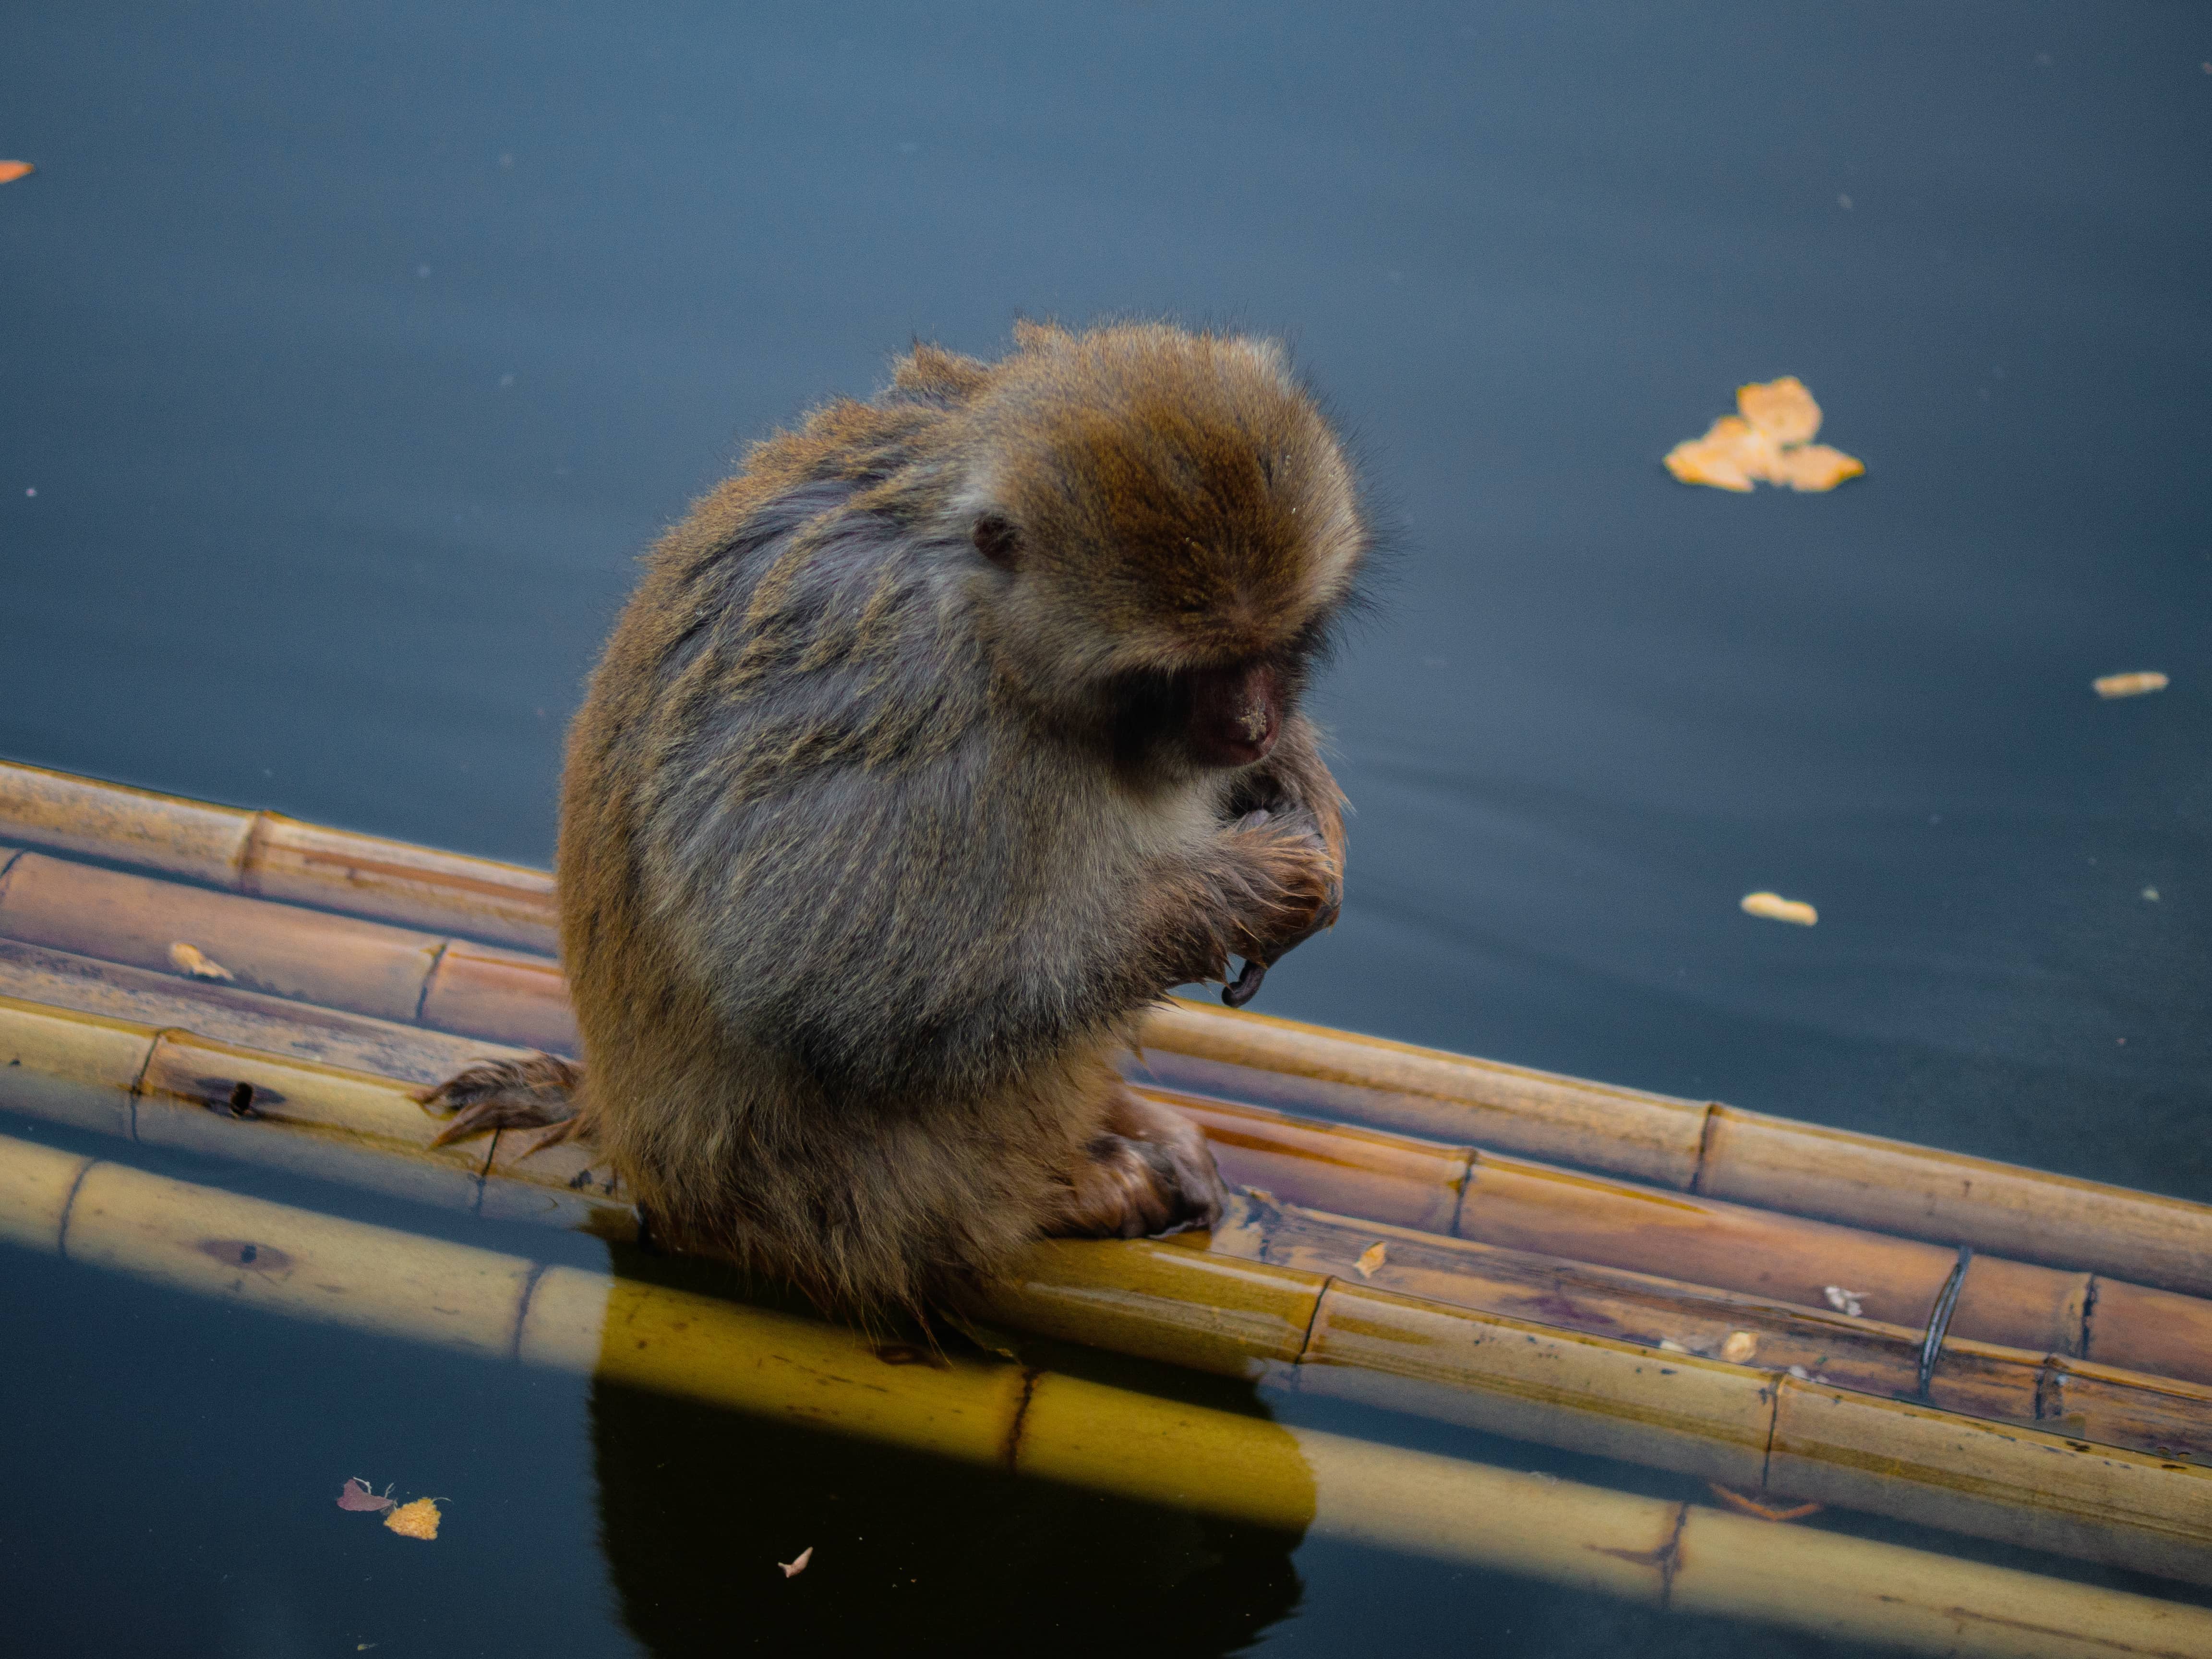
(910, 1553)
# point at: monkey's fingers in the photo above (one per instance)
(1246, 986)
(506, 1094)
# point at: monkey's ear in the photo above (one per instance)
(997, 540)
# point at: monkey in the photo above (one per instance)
(933, 748)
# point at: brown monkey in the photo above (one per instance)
(933, 747)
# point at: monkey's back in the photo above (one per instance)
(826, 931)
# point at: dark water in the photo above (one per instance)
(353, 352)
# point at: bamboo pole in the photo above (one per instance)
(1213, 1311)
(1512, 1202)
(275, 857)
(1749, 1157)
(1049, 1426)
(1868, 1180)
(1338, 1168)
(2078, 1398)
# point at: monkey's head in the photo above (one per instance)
(1169, 526)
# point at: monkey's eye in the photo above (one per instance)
(997, 540)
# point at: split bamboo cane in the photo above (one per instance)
(1861, 1180)
(1047, 1426)
(457, 986)
(2054, 1390)
(1217, 1312)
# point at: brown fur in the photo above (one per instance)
(889, 808)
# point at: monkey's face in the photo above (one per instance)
(1212, 719)
(1171, 525)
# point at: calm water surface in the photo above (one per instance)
(350, 356)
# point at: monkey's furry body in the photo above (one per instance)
(933, 747)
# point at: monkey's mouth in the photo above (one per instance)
(1235, 714)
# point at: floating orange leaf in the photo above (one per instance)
(2130, 685)
(1775, 907)
(1371, 1258)
(1768, 443)
(12, 171)
(1811, 468)
(416, 1520)
(1781, 408)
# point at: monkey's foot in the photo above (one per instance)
(540, 1092)
(1150, 1173)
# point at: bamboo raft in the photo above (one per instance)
(1662, 1301)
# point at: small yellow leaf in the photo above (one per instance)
(1728, 457)
(12, 171)
(190, 959)
(1370, 1260)
(1813, 467)
(2130, 685)
(1781, 408)
(793, 1568)
(416, 1520)
(1764, 444)
(1775, 907)
(1740, 1347)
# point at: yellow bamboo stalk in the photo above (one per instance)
(276, 856)
(2040, 1389)
(1512, 1202)
(1044, 1425)
(1868, 1180)
(1803, 1169)
(1346, 1169)
(1216, 1312)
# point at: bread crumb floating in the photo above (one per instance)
(416, 1520)
(1371, 1258)
(1775, 907)
(1740, 1347)
(2130, 685)
(1767, 441)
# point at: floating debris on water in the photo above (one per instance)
(1740, 1347)
(1768, 441)
(416, 1520)
(358, 1494)
(2130, 685)
(1369, 1259)
(793, 1568)
(12, 171)
(1846, 1301)
(1775, 907)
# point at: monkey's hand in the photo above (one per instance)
(541, 1092)
(1151, 1172)
(1291, 880)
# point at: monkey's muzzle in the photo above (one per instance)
(1235, 714)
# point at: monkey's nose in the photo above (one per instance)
(1235, 714)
